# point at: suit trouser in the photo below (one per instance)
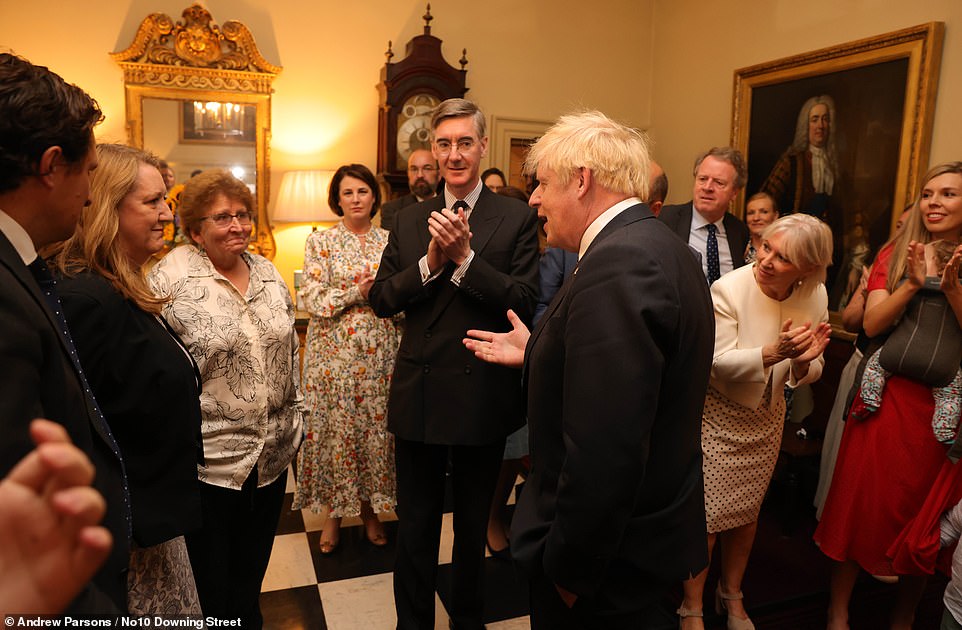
(420, 492)
(229, 554)
(637, 611)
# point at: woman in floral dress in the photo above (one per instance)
(347, 460)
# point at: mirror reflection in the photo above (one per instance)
(198, 96)
(213, 142)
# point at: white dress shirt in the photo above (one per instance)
(18, 237)
(603, 219)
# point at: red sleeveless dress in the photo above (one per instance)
(892, 480)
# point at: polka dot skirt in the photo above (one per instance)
(740, 447)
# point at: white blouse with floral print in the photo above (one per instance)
(247, 351)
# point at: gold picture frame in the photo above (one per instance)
(882, 92)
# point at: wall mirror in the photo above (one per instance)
(199, 96)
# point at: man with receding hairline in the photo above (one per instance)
(423, 177)
(658, 188)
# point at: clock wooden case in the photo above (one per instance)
(409, 90)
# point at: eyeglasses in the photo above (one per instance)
(224, 219)
(464, 145)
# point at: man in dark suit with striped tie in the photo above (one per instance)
(705, 223)
(46, 156)
(452, 263)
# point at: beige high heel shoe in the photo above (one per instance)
(721, 606)
(683, 612)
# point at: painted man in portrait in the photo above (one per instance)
(806, 178)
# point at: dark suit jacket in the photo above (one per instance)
(616, 373)
(38, 379)
(678, 218)
(441, 393)
(147, 386)
(390, 209)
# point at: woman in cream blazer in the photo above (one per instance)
(770, 329)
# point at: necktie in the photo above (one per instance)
(714, 270)
(49, 288)
(460, 206)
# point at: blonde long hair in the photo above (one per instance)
(913, 229)
(94, 245)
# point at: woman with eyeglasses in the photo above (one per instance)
(347, 462)
(235, 315)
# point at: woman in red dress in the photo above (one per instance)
(893, 480)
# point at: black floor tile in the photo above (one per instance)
(293, 609)
(291, 521)
(355, 556)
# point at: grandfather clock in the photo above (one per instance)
(409, 90)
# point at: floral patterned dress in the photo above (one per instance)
(348, 454)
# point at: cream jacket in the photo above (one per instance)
(745, 320)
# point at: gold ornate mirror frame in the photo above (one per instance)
(195, 60)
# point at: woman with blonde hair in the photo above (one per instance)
(893, 479)
(143, 379)
(770, 330)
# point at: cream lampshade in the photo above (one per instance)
(303, 197)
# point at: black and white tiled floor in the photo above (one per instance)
(786, 583)
(352, 589)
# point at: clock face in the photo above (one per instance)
(414, 127)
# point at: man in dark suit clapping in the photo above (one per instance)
(616, 372)
(454, 262)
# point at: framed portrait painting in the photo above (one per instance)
(842, 133)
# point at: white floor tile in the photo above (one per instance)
(290, 564)
(361, 603)
(313, 522)
(367, 603)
